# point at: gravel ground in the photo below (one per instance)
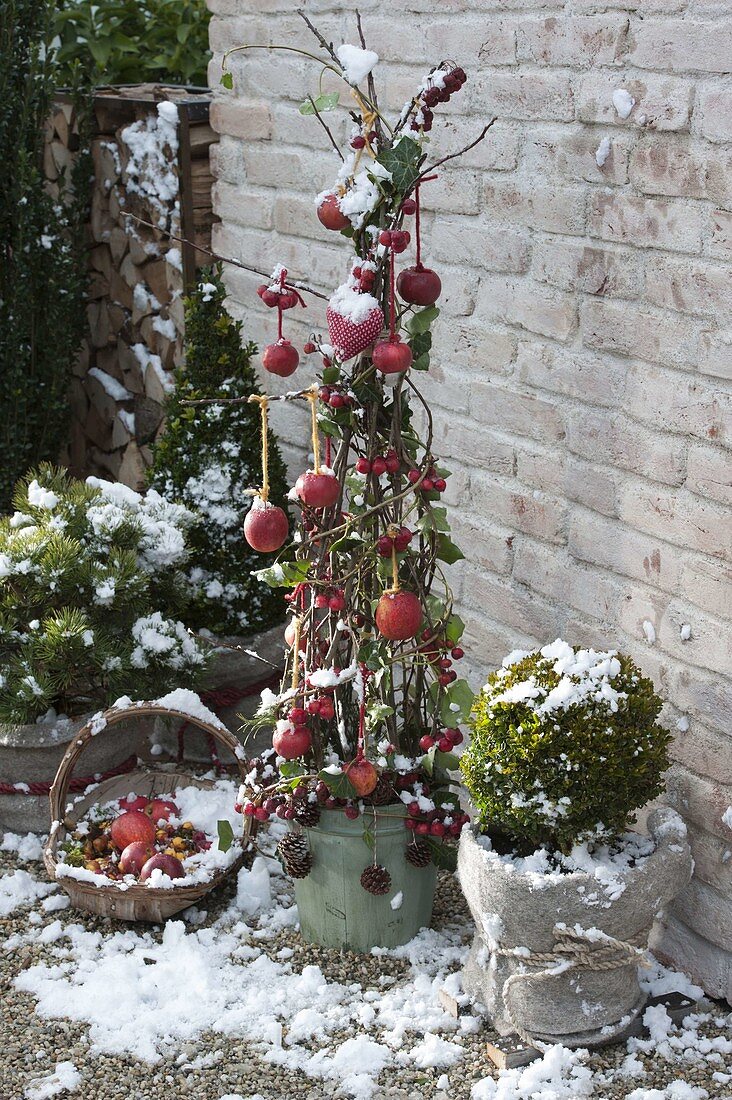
(31, 1047)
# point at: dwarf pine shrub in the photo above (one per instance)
(208, 457)
(90, 582)
(565, 747)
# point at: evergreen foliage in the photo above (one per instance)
(208, 457)
(565, 747)
(134, 41)
(88, 573)
(42, 262)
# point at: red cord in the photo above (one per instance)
(416, 229)
(78, 784)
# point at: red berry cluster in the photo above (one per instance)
(446, 741)
(395, 239)
(431, 482)
(439, 92)
(331, 599)
(334, 398)
(397, 537)
(359, 141)
(381, 464)
(435, 651)
(440, 822)
(322, 707)
(366, 276)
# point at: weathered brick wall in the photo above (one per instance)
(582, 381)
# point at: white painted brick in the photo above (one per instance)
(557, 210)
(577, 265)
(670, 166)
(609, 436)
(582, 42)
(714, 112)
(588, 377)
(675, 942)
(720, 234)
(639, 333)
(506, 251)
(690, 286)
(522, 414)
(518, 508)
(681, 403)
(681, 45)
(715, 353)
(665, 102)
(678, 517)
(528, 305)
(659, 223)
(708, 583)
(709, 473)
(525, 95)
(619, 549)
(568, 153)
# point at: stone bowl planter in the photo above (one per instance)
(590, 933)
(230, 670)
(333, 907)
(31, 754)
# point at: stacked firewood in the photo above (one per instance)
(151, 178)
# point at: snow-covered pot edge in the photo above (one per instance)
(31, 753)
(333, 907)
(516, 914)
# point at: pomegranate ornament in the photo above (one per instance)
(266, 526)
(418, 285)
(398, 615)
(330, 214)
(280, 358)
(391, 356)
(290, 741)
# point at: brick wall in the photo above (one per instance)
(582, 381)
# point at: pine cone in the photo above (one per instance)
(307, 813)
(418, 853)
(383, 792)
(295, 855)
(376, 879)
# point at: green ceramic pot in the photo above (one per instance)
(334, 908)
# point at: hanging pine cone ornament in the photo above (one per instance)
(418, 853)
(307, 813)
(376, 879)
(383, 792)
(294, 853)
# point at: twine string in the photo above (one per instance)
(312, 397)
(263, 402)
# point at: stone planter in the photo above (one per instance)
(336, 911)
(229, 668)
(32, 754)
(594, 995)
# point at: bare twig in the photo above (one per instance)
(327, 46)
(226, 259)
(460, 153)
(325, 126)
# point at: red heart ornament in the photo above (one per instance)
(349, 337)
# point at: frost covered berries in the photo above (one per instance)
(565, 746)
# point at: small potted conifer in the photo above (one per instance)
(207, 459)
(90, 577)
(565, 747)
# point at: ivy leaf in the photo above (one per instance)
(459, 696)
(331, 375)
(321, 103)
(447, 550)
(291, 769)
(338, 784)
(421, 322)
(369, 838)
(227, 80)
(434, 761)
(454, 629)
(423, 363)
(286, 574)
(402, 161)
(226, 835)
(444, 856)
(421, 344)
(434, 520)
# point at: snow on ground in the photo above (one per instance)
(241, 974)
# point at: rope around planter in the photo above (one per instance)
(575, 949)
(78, 784)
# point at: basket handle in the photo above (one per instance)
(111, 717)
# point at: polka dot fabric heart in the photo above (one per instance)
(349, 338)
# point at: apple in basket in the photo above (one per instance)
(132, 826)
(162, 809)
(169, 865)
(134, 857)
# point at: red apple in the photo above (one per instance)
(317, 490)
(280, 358)
(363, 776)
(330, 215)
(420, 286)
(290, 636)
(398, 615)
(291, 742)
(265, 527)
(169, 865)
(134, 856)
(161, 809)
(391, 356)
(132, 826)
(133, 802)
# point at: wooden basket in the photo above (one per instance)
(139, 901)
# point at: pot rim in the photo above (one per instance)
(391, 821)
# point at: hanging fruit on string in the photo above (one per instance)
(419, 285)
(319, 487)
(392, 356)
(266, 526)
(398, 612)
(280, 358)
